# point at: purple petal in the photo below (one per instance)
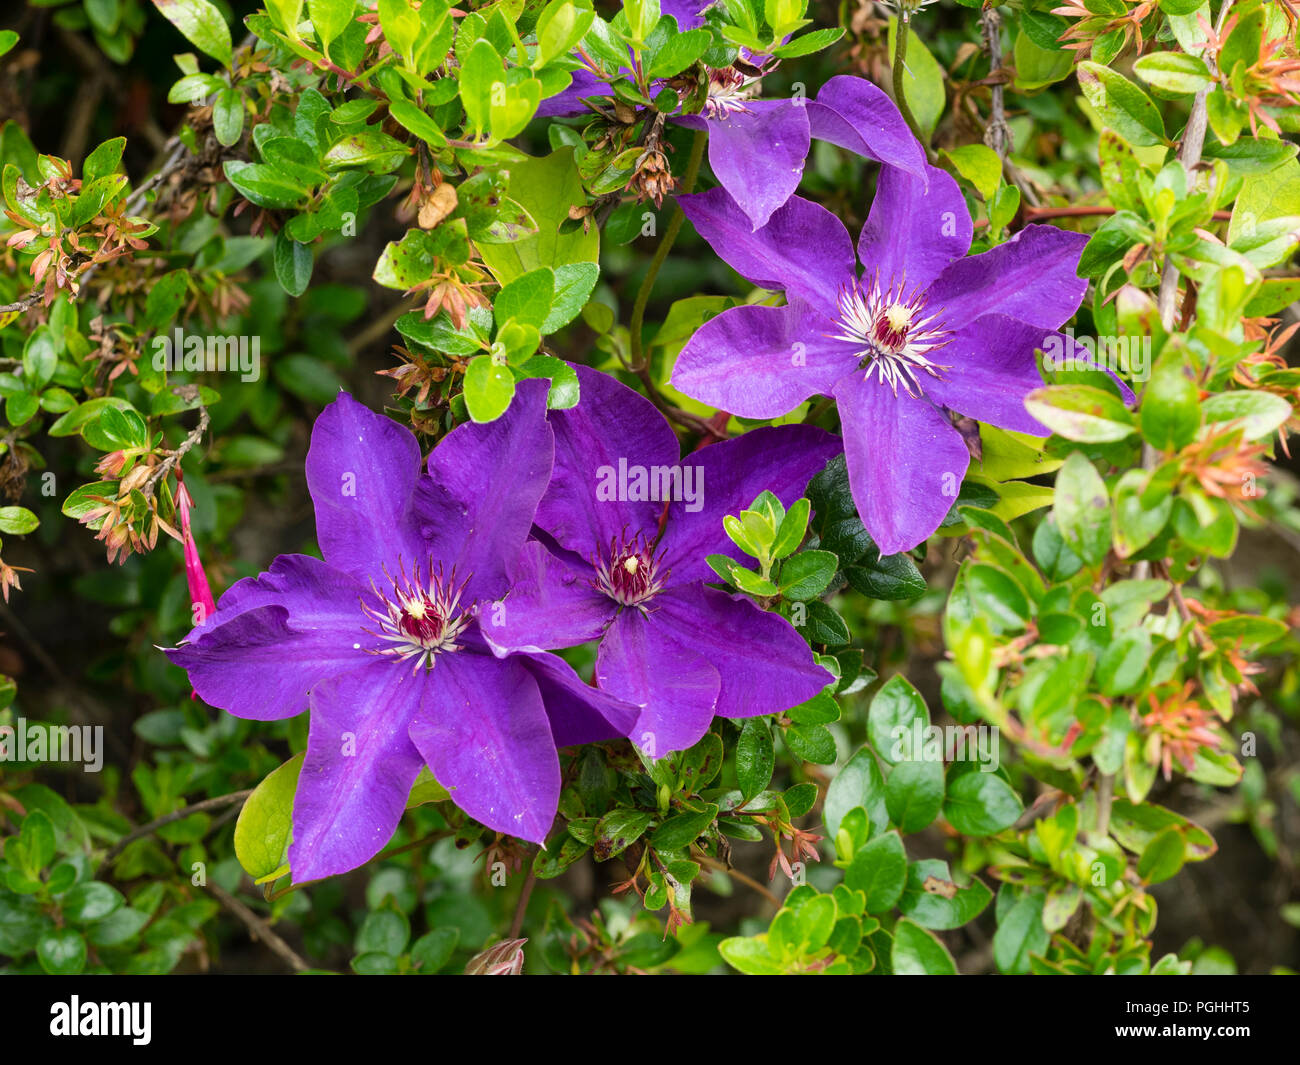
(779, 459)
(275, 637)
(578, 712)
(361, 471)
(856, 115)
(584, 86)
(611, 425)
(639, 661)
(991, 369)
(757, 154)
(1031, 277)
(914, 231)
(762, 362)
(552, 603)
(688, 13)
(803, 249)
(486, 737)
(765, 665)
(906, 461)
(497, 472)
(359, 769)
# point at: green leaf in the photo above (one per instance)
(526, 299)
(62, 952)
(979, 165)
(166, 297)
(383, 932)
(564, 391)
(1162, 857)
(228, 116)
(40, 358)
(755, 757)
(808, 43)
(330, 17)
(560, 27)
(618, 830)
(1171, 412)
(1260, 413)
(890, 578)
(981, 804)
(683, 829)
(307, 378)
(1174, 72)
(574, 283)
(1082, 509)
(1138, 520)
(997, 595)
(879, 870)
(265, 823)
(103, 161)
(811, 743)
(750, 955)
(32, 849)
(1123, 664)
(859, 783)
(432, 951)
(793, 528)
(512, 106)
(202, 24)
(917, 952)
(1081, 413)
(807, 574)
(489, 388)
(480, 70)
(91, 901)
(896, 712)
(932, 900)
(293, 264)
(1020, 934)
(1123, 106)
(1263, 197)
(914, 794)
(546, 188)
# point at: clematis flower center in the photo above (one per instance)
(895, 336)
(630, 573)
(421, 617)
(729, 90)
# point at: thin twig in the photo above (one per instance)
(736, 874)
(145, 830)
(163, 468)
(997, 134)
(901, 34)
(259, 928)
(517, 925)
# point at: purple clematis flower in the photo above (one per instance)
(924, 330)
(757, 148)
(381, 640)
(630, 524)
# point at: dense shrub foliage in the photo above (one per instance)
(682, 487)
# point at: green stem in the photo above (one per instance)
(661, 253)
(900, 68)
